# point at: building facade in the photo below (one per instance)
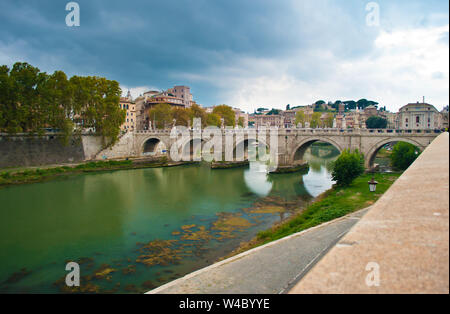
(182, 93)
(129, 106)
(415, 116)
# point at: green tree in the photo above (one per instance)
(273, 112)
(198, 112)
(315, 120)
(300, 117)
(31, 100)
(347, 167)
(213, 119)
(226, 113)
(182, 116)
(403, 155)
(375, 122)
(161, 116)
(329, 120)
(241, 121)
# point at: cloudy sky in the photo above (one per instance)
(245, 53)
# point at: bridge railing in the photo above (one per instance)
(305, 131)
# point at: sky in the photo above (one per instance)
(243, 53)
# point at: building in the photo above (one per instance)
(415, 116)
(183, 93)
(444, 118)
(129, 106)
(392, 119)
(241, 114)
(265, 120)
(289, 118)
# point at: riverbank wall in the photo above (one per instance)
(23, 150)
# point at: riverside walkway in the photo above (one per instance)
(272, 268)
(406, 233)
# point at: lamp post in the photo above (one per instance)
(373, 183)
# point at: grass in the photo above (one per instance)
(335, 203)
(39, 175)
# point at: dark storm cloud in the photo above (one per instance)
(161, 43)
(148, 42)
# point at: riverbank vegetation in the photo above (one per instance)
(45, 174)
(334, 203)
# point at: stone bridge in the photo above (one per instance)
(291, 143)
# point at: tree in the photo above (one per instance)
(161, 116)
(350, 105)
(241, 121)
(182, 116)
(213, 119)
(347, 167)
(300, 117)
(273, 112)
(198, 112)
(31, 100)
(315, 120)
(320, 102)
(375, 122)
(226, 113)
(403, 155)
(329, 120)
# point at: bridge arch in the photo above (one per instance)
(152, 145)
(192, 149)
(299, 149)
(372, 153)
(244, 144)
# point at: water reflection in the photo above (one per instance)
(255, 178)
(320, 158)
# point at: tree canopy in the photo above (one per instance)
(348, 167)
(375, 122)
(403, 155)
(31, 101)
(226, 113)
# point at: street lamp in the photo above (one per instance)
(372, 184)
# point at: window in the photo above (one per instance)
(417, 119)
(406, 120)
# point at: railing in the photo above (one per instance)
(313, 131)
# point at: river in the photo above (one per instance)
(133, 230)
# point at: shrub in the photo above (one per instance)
(403, 155)
(348, 167)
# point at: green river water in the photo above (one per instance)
(133, 230)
